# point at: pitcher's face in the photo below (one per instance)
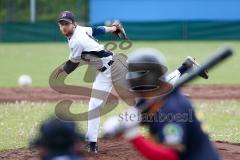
(66, 28)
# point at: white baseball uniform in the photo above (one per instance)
(84, 47)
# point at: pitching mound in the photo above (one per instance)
(119, 150)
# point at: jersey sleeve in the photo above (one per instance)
(76, 52)
(153, 151)
(89, 30)
(98, 30)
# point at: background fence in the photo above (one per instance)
(143, 19)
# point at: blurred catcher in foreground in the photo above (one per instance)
(172, 123)
(58, 140)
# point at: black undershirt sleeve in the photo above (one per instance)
(69, 67)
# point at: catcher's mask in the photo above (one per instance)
(146, 73)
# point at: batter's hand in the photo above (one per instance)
(119, 30)
(126, 125)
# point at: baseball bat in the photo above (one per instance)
(213, 61)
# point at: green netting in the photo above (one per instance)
(18, 32)
(178, 30)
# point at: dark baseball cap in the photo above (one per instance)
(56, 134)
(66, 16)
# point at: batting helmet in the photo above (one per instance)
(146, 73)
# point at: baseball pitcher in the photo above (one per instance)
(111, 69)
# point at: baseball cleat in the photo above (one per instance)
(191, 63)
(92, 147)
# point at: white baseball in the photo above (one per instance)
(24, 80)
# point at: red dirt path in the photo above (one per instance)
(207, 92)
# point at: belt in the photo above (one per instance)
(104, 68)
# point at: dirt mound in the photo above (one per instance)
(120, 150)
(199, 92)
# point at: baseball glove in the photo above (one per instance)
(120, 30)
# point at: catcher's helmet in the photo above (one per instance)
(55, 134)
(146, 72)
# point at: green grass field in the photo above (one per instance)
(40, 59)
(18, 122)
